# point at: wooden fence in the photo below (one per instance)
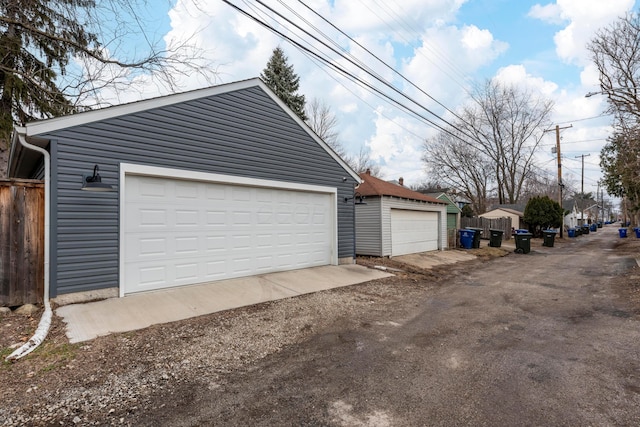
(503, 224)
(21, 242)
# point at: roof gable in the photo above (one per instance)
(507, 210)
(40, 127)
(372, 186)
(37, 132)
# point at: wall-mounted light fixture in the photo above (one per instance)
(359, 199)
(94, 182)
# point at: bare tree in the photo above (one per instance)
(502, 128)
(615, 50)
(323, 122)
(362, 162)
(507, 124)
(460, 166)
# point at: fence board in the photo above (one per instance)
(503, 224)
(21, 242)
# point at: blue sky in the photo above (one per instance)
(443, 46)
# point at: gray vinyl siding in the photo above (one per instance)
(389, 203)
(368, 228)
(242, 133)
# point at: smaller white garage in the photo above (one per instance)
(392, 220)
(413, 231)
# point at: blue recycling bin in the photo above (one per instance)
(637, 230)
(571, 232)
(622, 232)
(593, 227)
(476, 236)
(466, 238)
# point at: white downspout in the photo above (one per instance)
(45, 321)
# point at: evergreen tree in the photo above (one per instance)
(37, 38)
(467, 211)
(542, 213)
(284, 82)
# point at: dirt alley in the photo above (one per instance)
(546, 338)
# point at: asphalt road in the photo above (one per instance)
(536, 339)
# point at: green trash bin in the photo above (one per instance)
(549, 237)
(495, 238)
(476, 236)
(523, 243)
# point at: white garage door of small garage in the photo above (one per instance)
(181, 232)
(413, 231)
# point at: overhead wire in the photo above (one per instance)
(342, 53)
(382, 62)
(360, 64)
(354, 78)
(442, 58)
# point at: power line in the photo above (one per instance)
(385, 64)
(354, 78)
(587, 118)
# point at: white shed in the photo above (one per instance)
(516, 216)
(393, 220)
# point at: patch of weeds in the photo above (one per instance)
(56, 356)
(5, 352)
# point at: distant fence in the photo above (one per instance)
(503, 224)
(21, 242)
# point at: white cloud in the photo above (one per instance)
(517, 75)
(584, 17)
(392, 17)
(474, 38)
(397, 144)
(550, 13)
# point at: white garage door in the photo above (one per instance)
(180, 232)
(413, 231)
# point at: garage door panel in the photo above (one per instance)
(413, 231)
(179, 233)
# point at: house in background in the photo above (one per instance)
(572, 218)
(517, 216)
(588, 210)
(211, 184)
(396, 220)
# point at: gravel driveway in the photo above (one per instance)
(547, 338)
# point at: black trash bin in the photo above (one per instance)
(549, 237)
(495, 238)
(585, 229)
(523, 243)
(476, 236)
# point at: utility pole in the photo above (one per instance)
(560, 184)
(599, 204)
(582, 189)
